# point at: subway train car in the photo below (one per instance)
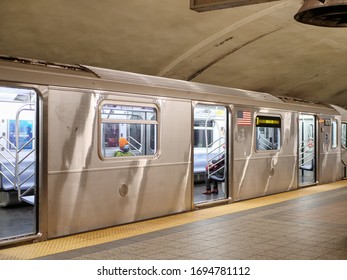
(185, 146)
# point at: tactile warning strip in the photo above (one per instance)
(96, 237)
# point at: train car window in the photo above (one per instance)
(135, 132)
(334, 134)
(128, 130)
(268, 133)
(201, 129)
(152, 134)
(344, 135)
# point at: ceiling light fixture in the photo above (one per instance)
(210, 5)
(328, 13)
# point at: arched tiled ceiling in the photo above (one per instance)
(257, 47)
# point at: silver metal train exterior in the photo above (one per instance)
(76, 116)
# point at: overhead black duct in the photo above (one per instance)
(328, 13)
(210, 5)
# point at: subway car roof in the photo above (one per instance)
(22, 70)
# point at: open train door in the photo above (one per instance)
(210, 153)
(18, 163)
(307, 155)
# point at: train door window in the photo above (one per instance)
(268, 133)
(128, 130)
(203, 131)
(135, 132)
(152, 132)
(18, 162)
(334, 134)
(344, 135)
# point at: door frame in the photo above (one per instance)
(307, 145)
(23, 205)
(200, 200)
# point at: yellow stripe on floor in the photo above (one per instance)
(96, 237)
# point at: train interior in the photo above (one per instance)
(18, 162)
(307, 150)
(210, 149)
(138, 125)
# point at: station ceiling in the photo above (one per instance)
(257, 47)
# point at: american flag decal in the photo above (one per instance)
(244, 118)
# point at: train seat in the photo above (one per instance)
(8, 193)
(217, 178)
(30, 199)
(7, 179)
(307, 166)
(200, 162)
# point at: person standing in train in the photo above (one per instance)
(124, 149)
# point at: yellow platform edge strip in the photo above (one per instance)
(96, 237)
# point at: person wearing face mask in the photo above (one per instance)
(123, 148)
